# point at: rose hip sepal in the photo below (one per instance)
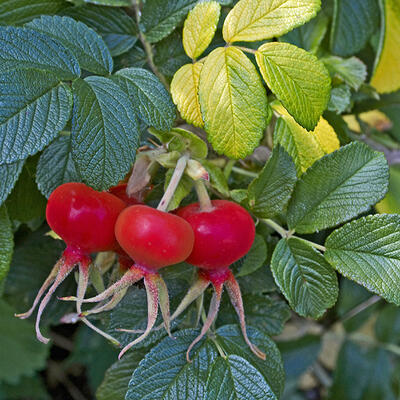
(224, 232)
(85, 220)
(154, 239)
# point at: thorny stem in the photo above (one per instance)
(202, 194)
(147, 47)
(174, 182)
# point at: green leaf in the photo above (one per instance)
(267, 314)
(104, 131)
(349, 182)
(217, 177)
(340, 99)
(350, 70)
(26, 48)
(27, 387)
(86, 45)
(170, 55)
(20, 353)
(234, 377)
(366, 251)
(196, 146)
(255, 258)
(299, 354)
(36, 252)
(234, 106)
(260, 281)
(134, 57)
(116, 379)
(230, 338)
(56, 166)
(25, 202)
(88, 344)
(200, 27)
(9, 174)
(34, 108)
(304, 277)
(352, 295)
(165, 374)
(151, 99)
(362, 374)
(15, 12)
(387, 327)
(6, 243)
(310, 35)
(354, 21)
(184, 91)
(117, 29)
(252, 20)
(160, 17)
(181, 140)
(269, 194)
(297, 78)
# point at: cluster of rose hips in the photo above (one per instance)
(210, 236)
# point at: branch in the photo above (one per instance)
(147, 48)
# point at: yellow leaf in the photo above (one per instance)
(386, 77)
(252, 20)
(304, 147)
(374, 118)
(326, 136)
(200, 27)
(233, 102)
(184, 91)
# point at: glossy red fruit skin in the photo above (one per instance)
(222, 235)
(153, 238)
(120, 192)
(83, 217)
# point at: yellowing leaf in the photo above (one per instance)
(200, 27)
(252, 20)
(304, 147)
(386, 77)
(297, 78)
(326, 136)
(184, 91)
(374, 118)
(233, 102)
